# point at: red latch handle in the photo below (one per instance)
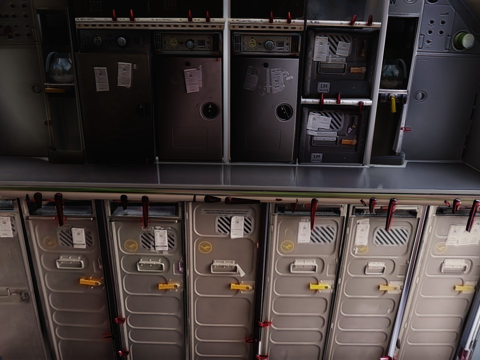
(145, 205)
(132, 18)
(233, 201)
(456, 205)
(262, 357)
(119, 320)
(211, 199)
(38, 199)
(339, 98)
(371, 205)
(294, 206)
(363, 202)
(406, 129)
(392, 205)
(473, 213)
(207, 17)
(190, 18)
(322, 101)
(370, 20)
(313, 211)
(354, 18)
(289, 18)
(123, 353)
(59, 206)
(270, 20)
(446, 202)
(114, 15)
(264, 324)
(360, 106)
(124, 201)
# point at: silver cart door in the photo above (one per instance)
(302, 269)
(148, 266)
(221, 251)
(374, 265)
(70, 275)
(445, 282)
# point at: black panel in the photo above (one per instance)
(180, 8)
(103, 8)
(262, 8)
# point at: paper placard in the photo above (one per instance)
(236, 227)
(5, 227)
(361, 235)
(251, 79)
(124, 75)
(321, 48)
(343, 48)
(161, 240)
(191, 80)
(317, 121)
(304, 232)
(78, 237)
(101, 79)
(459, 236)
(276, 80)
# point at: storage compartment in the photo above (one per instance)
(342, 10)
(252, 9)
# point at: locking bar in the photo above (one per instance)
(473, 212)
(145, 206)
(168, 286)
(319, 286)
(392, 205)
(240, 287)
(90, 281)
(124, 202)
(313, 211)
(59, 205)
(303, 266)
(464, 288)
(69, 262)
(227, 267)
(150, 265)
(456, 205)
(38, 199)
(389, 287)
(371, 205)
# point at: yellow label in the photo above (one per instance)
(131, 245)
(362, 249)
(205, 247)
(440, 248)
(287, 246)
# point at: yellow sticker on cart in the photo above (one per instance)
(440, 248)
(205, 247)
(131, 245)
(287, 246)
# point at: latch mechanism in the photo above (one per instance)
(464, 288)
(90, 281)
(320, 286)
(168, 286)
(240, 287)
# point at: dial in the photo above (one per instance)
(121, 41)
(269, 45)
(190, 44)
(97, 40)
(284, 112)
(464, 41)
(209, 111)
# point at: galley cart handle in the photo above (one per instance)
(90, 281)
(319, 286)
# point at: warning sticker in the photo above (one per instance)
(251, 79)
(191, 80)
(316, 122)
(321, 50)
(124, 78)
(304, 231)
(236, 227)
(101, 79)
(161, 240)
(343, 48)
(361, 235)
(459, 236)
(78, 237)
(5, 227)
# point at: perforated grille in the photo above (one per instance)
(157, 40)
(65, 238)
(147, 239)
(237, 43)
(222, 224)
(337, 119)
(397, 236)
(323, 234)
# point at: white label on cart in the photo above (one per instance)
(361, 235)
(343, 48)
(317, 121)
(78, 237)
(323, 87)
(191, 80)
(124, 75)
(276, 80)
(321, 48)
(236, 227)
(101, 79)
(200, 76)
(161, 240)
(316, 157)
(304, 231)
(322, 134)
(251, 79)
(5, 227)
(459, 236)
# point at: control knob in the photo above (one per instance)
(464, 41)
(190, 44)
(121, 41)
(269, 45)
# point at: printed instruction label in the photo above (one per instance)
(361, 235)
(161, 240)
(321, 50)
(5, 227)
(124, 78)
(276, 80)
(101, 79)
(316, 122)
(343, 48)
(236, 227)
(304, 231)
(191, 80)
(251, 79)
(78, 237)
(459, 236)
(323, 87)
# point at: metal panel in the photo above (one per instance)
(76, 313)
(300, 315)
(437, 308)
(405, 7)
(263, 115)
(22, 108)
(20, 323)
(189, 124)
(440, 138)
(220, 317)
(154, 326)
(372, 274)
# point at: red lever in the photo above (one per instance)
(124, 201)
(114, 15)
(38, 199)
(354, 18)
(145, 205)
(264, 324)
(207, 17)
(360, 106)
(363, 202)
(123, 353)
(132, 18)
(233, 201)
(294, 206)
(270, 20)
(339, 98)
(371, 205)
(456, 205)
(211, 199)
(190, 18)
(119, 320)
(391, 209)
(59, 206)
(289, 18)
(322, 101)
(370, 20)
(262, 357)
(406, 129)
(385, 358)
(313, 210)
(473, 212)
(447, 203)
